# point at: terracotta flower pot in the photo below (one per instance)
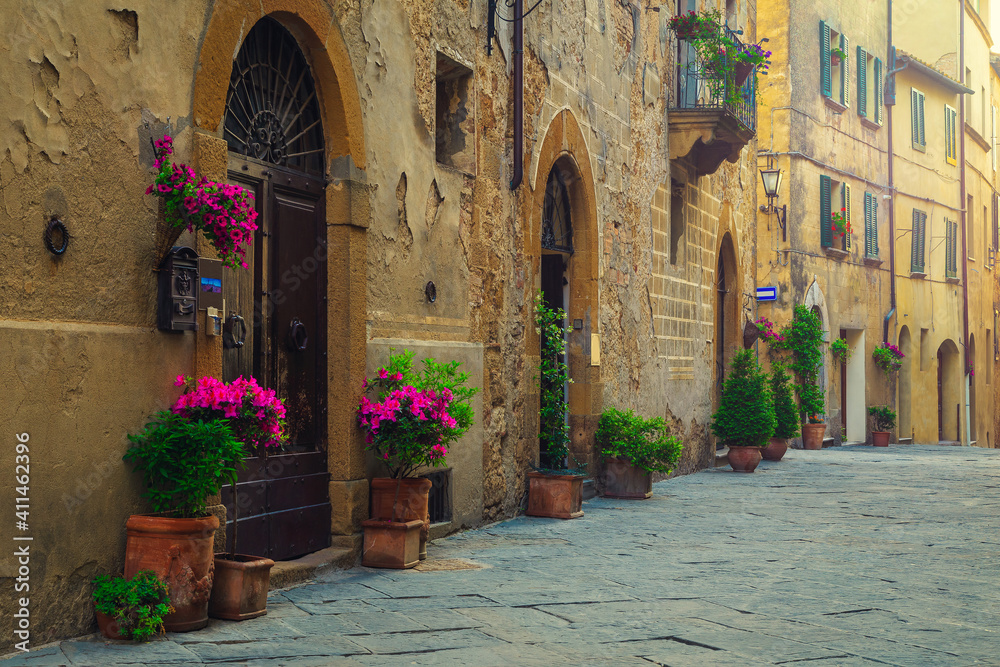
(240, 588)
(410, 504)
(775, 450)
(812, 436)
(180, 552)
(742, 71)
(392, 544)
(555, 496)
(108, 626)
(744, 459)
(880, 438)
(624, 480)
(750, 334)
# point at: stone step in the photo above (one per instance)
(342, 555)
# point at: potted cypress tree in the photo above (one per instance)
(883, 421)
(804, 339)
(182, 461)
(634, 448)
(786, 415)
(409, 425)
(745, 418)
(554, 490)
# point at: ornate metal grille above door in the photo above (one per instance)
(272, 113)
(557, 228)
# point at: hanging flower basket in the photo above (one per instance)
(750, 334)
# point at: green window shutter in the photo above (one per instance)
(916, 266)
(920, 107)
(845, 73)
(871, 226)
(825, 71)
(948, 248)
(879, 85)
(862, 82)
(845, 203)
(874, 227)
(947, 132)
(914, 119)
(923, 239)
(825, 233)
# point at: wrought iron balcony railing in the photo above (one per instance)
(713, 83)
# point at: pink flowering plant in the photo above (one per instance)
(767, 332)
(888, 357)
(409, 418)
(224, 213)
(255, 415)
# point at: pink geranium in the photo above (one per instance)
(256, 415)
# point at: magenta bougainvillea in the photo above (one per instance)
(767, 332)
(256, 415)
(224, 213)
(888, 357)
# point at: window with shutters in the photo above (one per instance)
(917, 241)
(835, 68)
(871, 226)
(950, 135)
(951, 249)
(918, 132)
(825, 198)
(877, 100)
(866, 84)
(834, 197)
(845, 210)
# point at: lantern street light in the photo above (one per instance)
(771, 177)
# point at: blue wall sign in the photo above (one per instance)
(767, 293)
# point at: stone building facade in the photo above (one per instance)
(405, 231)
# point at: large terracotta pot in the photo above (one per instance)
(744, 459)
(180, 552)
(880, 438)
(410, 503)
(555, 496)
(392, 544)
(812, 436)
(775, 450)
(240, 588)
(624, 480)
(108, 626)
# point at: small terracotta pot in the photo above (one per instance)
(744, 459)
(742, 72)
(391, 544)
(880, 438)
(834, 60)
(624, 480)
(240, 588)
(180, 552)
(812, 436)
(108, 626)
(410, 504)
(555, 496)
(775, 450)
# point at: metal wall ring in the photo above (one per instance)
(56, 226)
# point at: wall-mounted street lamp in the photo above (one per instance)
(772, 183)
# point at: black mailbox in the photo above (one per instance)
(177, 303)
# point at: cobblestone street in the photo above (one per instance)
(846, 556)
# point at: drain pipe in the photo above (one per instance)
(518, 94)
(965, 226)
(891, 67)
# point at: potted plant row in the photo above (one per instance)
(409, 422)
(883, 421)
(634, 448)
(185, 455)
(745, 419)
(554, 489)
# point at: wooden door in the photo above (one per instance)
(284, 507)
(940, 389)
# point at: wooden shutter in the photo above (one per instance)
(949, 248)
(874, 226)
(845, 203)
(862, 82)
(917, 243)
(845, 73)
(825, 71)
(871, 227)
(825, 233)
(914, 119)
(920, 108)
(950, 135)
(878, 100)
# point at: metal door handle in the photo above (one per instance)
(234, 333)
(298, 337)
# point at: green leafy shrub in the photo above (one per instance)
(841, 350)
(183, 462)
(786, 415)
(746, 414)
(883, 417)
(645, 443)
(137, 605)
(804, 339)
(553, 375)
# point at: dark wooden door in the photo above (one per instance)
(940, 388)
(284, 507)
(843, 390)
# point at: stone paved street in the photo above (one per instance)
(847, 556)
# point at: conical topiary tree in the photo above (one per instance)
(786, 414)
(746, 415)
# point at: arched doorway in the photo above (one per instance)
(274, 132)
(727, 311)
(949, 374)
(905, 380)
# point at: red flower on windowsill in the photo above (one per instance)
(839, 224)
